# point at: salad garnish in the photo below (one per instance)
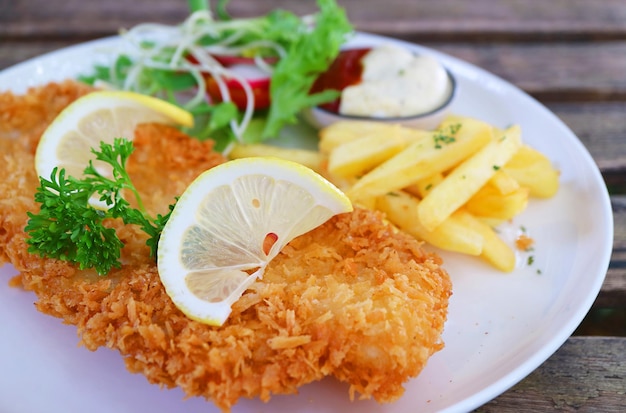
(175, 63)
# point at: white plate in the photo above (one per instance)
(501, 326)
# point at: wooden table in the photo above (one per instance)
(569, 54)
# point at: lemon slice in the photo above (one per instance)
(96, 117)
(229, 224)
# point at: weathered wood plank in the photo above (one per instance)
(553, 71)
(613, 291)
(614, 288)
(418, 20)
(601, 127)
(76, 19)
(13, 52)
(586, 374)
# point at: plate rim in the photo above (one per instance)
(601, 264)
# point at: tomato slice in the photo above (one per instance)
(260, 91)
(228, 60)
(245, 67)
(346, 70)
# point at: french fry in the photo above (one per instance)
(489, 202)
(424, 186)
(367, 203)
(341, 132)
(504, 182)
(495, 250)
(491, 222)
(449, 187)
(351, 159)
(451, 235)
(311, 159)
(436, 152)
(466, 179)
(534, 170)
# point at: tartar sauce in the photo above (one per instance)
(396, 83)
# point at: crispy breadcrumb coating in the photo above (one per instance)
(355, 298)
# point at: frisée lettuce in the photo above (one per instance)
(174, 63)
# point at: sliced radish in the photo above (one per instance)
(258, 80)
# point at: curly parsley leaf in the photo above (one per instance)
(69, 228)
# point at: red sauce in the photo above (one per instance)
(346, 70)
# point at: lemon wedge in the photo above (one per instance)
(98, 117)
(229, 224)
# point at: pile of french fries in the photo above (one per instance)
(450, 187)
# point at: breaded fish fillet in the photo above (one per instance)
(354, 299)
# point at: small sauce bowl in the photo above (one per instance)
(320, 117)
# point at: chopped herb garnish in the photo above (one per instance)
(446, 136)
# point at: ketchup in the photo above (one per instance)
(346, 70)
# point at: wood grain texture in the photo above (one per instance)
(587, 374)
(613, 292)
(601, 127)
(554, 71)
(14, 52)
(441, 20)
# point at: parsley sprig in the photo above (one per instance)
(70, 228)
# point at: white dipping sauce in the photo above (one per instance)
(396, 83)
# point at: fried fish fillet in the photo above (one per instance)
(354, 299)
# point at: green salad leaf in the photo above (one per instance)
(309, 56)
(173, 63)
